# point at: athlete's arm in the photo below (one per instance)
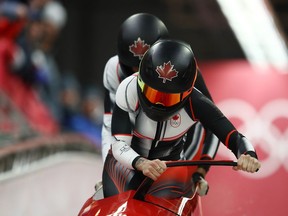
(110, 82)
(211, 142)
(211, 117)
(201, 85)
(106, 126)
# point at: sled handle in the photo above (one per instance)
(201, 163)
(147, 182)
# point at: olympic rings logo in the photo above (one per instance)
(259, 127)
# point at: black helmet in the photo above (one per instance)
(166, 78)
(137, 34)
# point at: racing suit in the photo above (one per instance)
(137, 135)
(195, 136)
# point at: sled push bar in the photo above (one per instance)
(201, 163)
(147, 182)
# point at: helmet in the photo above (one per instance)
(166, 78)
(137, 34)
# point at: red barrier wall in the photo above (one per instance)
(256, 101)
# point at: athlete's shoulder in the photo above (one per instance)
(198, 99)
(126, 95)
(110, 76)
(112, 63)
(202, 107)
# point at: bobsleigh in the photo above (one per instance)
(139, 202)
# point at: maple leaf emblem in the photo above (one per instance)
(175, 121)
(175, 117)
(166, 72)
(139, 48)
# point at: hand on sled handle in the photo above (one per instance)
(247, 163)
(151, 168)
(199, 180)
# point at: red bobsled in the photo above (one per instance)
(131, 203)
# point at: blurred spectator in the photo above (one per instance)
(54, 18)
(81, 112)
(13, 10)
(92, 104)
(91, 108)
(23, 95)
(70, 101)
(36, 5)
(36, 64)
(13, 16)
(43, 34)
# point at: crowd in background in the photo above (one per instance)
(36, 97)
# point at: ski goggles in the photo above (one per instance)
(165, 99)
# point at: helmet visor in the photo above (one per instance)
(161, 98)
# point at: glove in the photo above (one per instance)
(98, 186)
(198, 180)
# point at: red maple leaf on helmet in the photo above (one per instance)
(139, 48)
(166, 72)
